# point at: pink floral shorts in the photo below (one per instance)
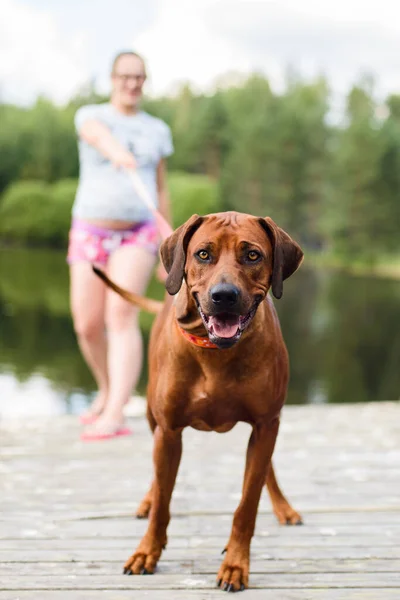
(95, 244)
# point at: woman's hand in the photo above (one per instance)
(100, 137)
(123, 159)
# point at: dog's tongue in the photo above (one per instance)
(224, 326)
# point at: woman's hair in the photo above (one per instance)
(126, 53)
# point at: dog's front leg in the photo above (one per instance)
(166, 456)
(233, 574)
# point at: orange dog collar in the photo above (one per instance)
(202, 342)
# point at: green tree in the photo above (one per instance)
(353, 208)
(278, 156)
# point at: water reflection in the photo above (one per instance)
(342, 333)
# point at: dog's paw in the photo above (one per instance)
(286, 515)
(144, 560)
(141, 564)
(233, 575)
(143, 509)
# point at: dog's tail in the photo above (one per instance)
(151, 306)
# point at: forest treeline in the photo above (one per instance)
(333, 186)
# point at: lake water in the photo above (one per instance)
(342, 333)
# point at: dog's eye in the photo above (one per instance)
(203, 255)
(253, 255)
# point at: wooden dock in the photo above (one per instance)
(66, 524)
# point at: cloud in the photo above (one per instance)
(342, 39)
(109, 26)
(180, 46)
(54, 47)
(36, 57)
(199, 40)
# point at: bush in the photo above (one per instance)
(39, 214)
(22, 211)
(192, 194)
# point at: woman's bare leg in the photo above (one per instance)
(131, 268)
(88, 295)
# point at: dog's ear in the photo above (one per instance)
(173, 253)
(287, 255)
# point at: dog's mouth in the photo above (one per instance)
(225, 329)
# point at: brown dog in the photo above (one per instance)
(217, 357)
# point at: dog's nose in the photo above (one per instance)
(224, 295)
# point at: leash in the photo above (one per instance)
(163, 226)
(165, 231)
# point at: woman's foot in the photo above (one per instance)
(95, 409)
(105, 428)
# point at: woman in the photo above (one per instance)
(111, 227)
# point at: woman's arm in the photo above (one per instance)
(162, 190)
(100, 137)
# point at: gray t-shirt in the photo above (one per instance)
(105, 192)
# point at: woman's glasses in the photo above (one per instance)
(125, 77)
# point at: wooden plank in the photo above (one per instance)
(177, 554)
(264, 594)
(201, 566)
(267, 531)
(212, 543)
(339, 519)
(206, 582)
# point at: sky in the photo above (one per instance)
(55, 47)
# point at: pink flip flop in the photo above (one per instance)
(94, 437)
